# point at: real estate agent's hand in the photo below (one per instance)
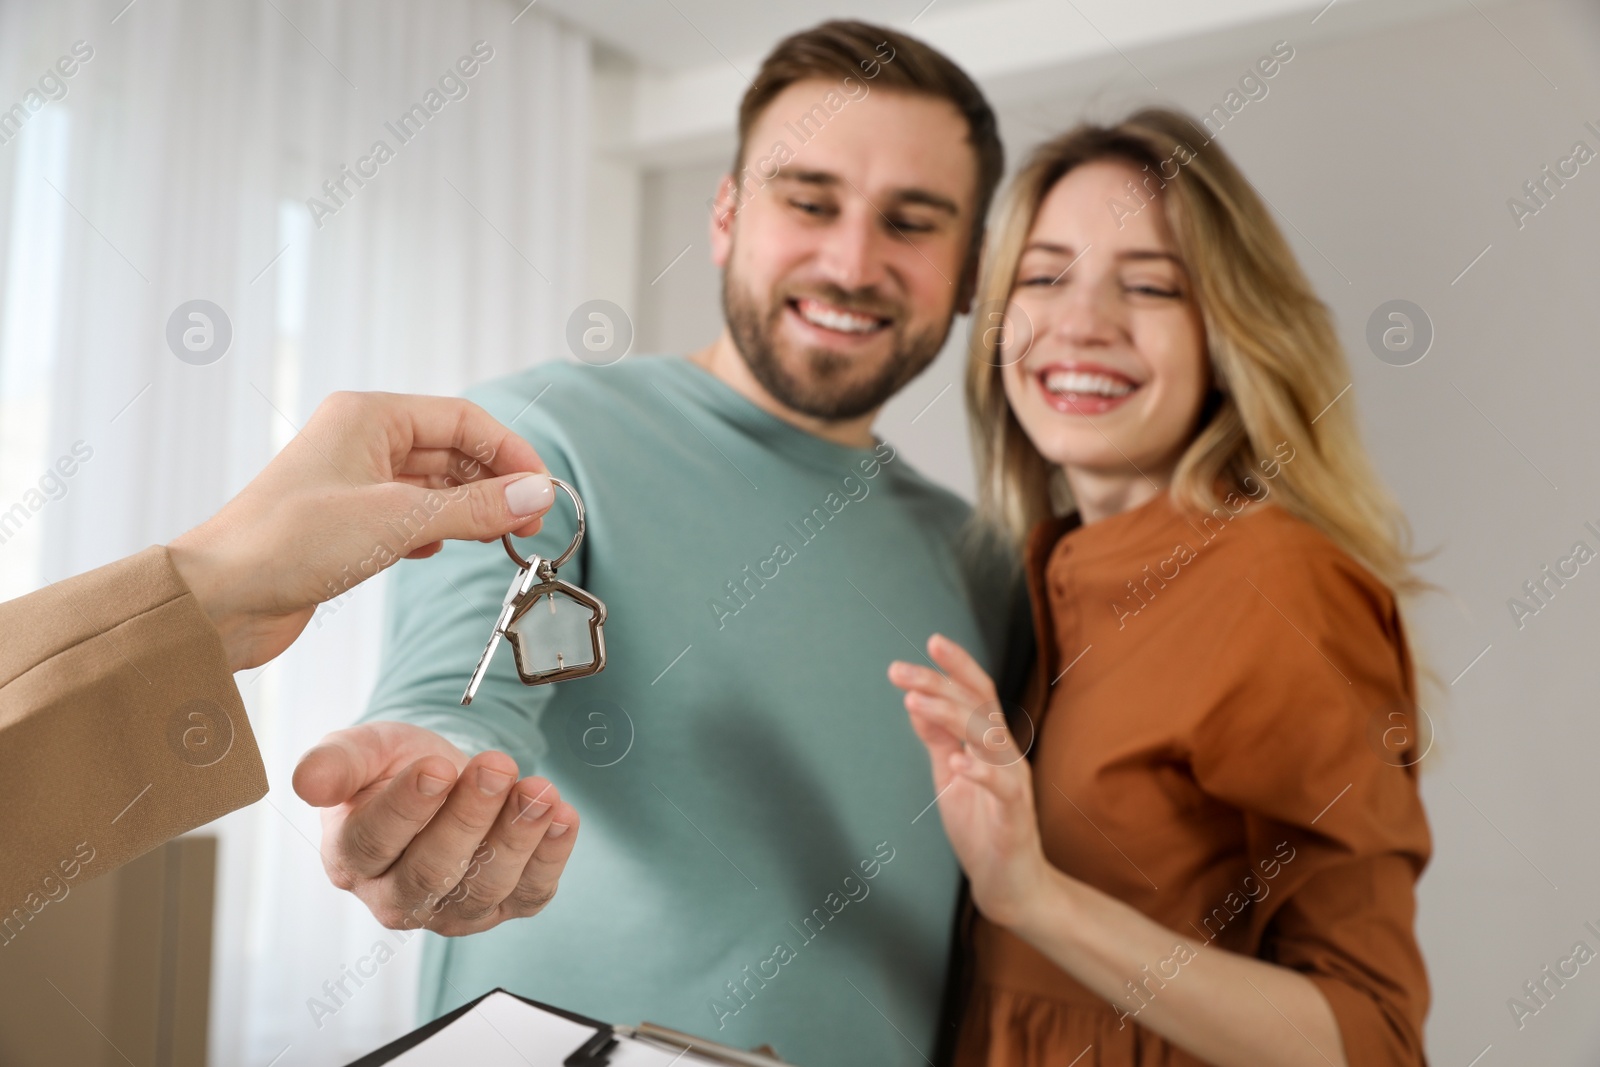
(373, 478)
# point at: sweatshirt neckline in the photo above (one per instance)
(791, 441)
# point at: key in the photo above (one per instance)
(520, 583)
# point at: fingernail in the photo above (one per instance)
(533, 809)
(491, 781)
(557, 829)
(530, 495)
(431, 786)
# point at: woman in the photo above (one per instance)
(1209, 853)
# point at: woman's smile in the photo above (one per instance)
(1079, 387)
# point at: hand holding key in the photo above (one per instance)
(372, 478)
(428, 838)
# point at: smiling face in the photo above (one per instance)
(1112, 384)
(843, 254)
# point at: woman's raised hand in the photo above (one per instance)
(983, 781)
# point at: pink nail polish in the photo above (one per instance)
(531, 495)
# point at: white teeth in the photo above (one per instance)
(1086, 384)
(843, 321)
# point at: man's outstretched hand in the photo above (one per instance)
(428, 838)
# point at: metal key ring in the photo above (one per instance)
(577, 538)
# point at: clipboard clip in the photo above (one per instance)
(596, 1052)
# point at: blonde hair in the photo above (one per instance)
(1277, 366)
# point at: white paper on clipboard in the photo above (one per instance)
(502, 1031)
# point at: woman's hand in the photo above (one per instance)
(373, 478)
(984, 782)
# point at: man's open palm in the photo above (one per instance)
(428, 838)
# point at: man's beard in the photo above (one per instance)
(822, 387)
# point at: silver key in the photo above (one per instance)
(520, 583)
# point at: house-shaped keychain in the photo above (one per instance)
(556, 632)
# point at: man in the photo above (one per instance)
(120, 724)
(754, 866)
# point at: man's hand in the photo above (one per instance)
(372, 479)
(428, 838)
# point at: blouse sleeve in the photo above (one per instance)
(1312, 739)
(120, 728)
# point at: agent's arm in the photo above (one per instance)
(120, 725)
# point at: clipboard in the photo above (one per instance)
(529, 1033)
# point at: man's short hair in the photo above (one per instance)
(849, 49)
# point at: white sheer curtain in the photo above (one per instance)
(177, 167)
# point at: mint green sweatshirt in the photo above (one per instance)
(755, 862)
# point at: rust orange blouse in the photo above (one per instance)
(1218, 701)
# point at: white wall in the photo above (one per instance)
(612, 244)
(1390, 155)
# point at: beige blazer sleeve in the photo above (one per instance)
(120, 727)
